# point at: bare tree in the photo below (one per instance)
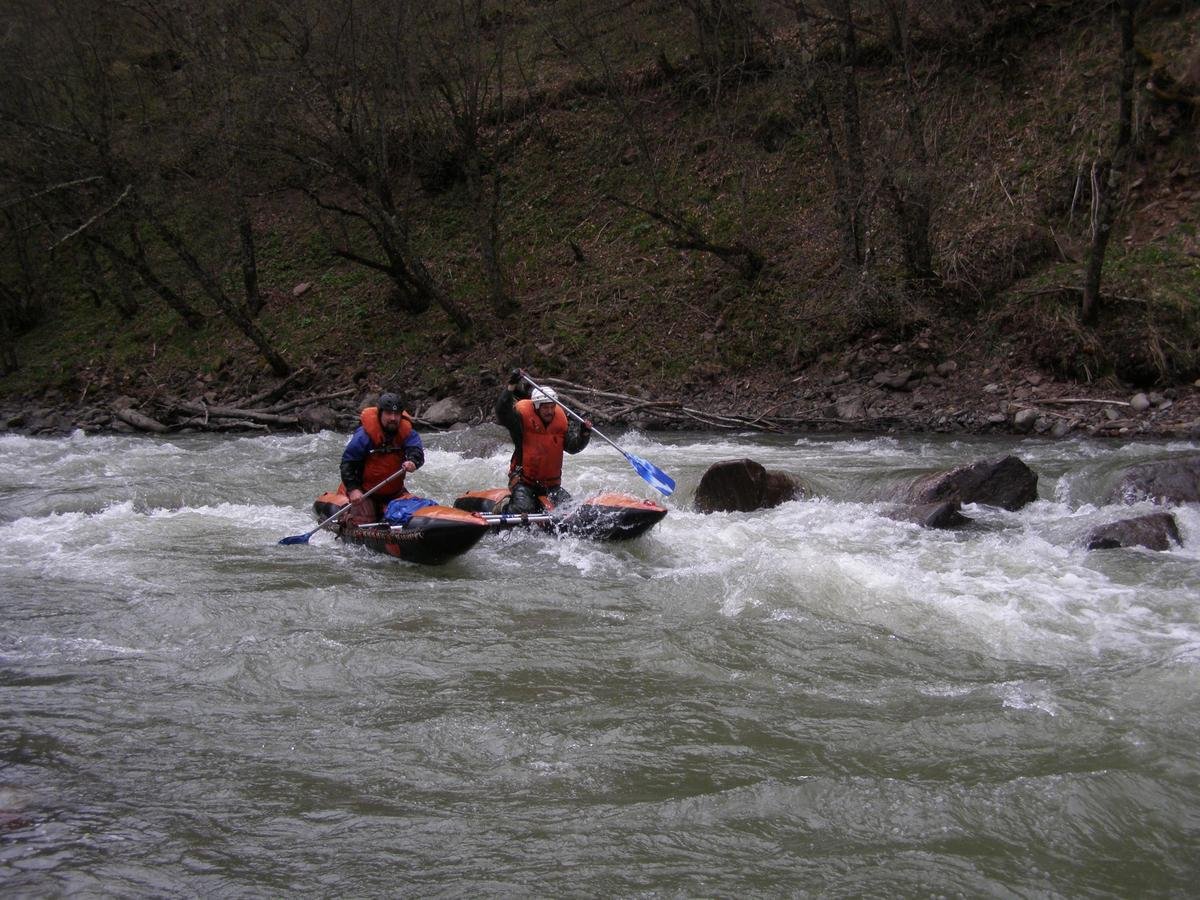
(909, 179)
(350, 129)
(579, 39)
(724, 33)
(830, 95)
(1107, 173)
(465, 60)
(84, 110)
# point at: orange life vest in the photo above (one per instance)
(541, 454)
(384, 459)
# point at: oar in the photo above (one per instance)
(651, 474)
(303, 538)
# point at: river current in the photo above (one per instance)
(809, 700)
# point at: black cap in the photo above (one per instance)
(389, 402)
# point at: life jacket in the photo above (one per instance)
(541, 454)
(384, 459)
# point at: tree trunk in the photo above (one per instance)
(852, 127)
(9, 301)
(488, 231)
(138, 263)
(1107, 174)
(232, 310)
(254, 300)
(910, 185)
(122, 301)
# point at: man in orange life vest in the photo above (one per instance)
(540, 434)
(385, 443)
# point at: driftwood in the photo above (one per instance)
(309, 401)
(258, 416)
(274, 393)
(1081, 400)
(614, 407)
(140, 421)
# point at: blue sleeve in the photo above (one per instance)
(357, 446)
(354, 460)
(414, 449)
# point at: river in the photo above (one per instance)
(808, 700)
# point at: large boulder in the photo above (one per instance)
(480, 442)
(318, 417)
(1169, 481)
(947, 514)
(742, 485)
(444, 412)
(1156, 531)
(1003, 481)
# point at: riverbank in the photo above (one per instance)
(875, 386)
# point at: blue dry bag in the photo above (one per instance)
(399, 511)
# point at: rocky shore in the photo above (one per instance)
(875, 386)
(945, 398)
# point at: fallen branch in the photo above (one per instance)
(272, 393)
(1080, 400)
(229, 412)
(309, 401)
(140, 421)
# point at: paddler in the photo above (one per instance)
(384, 444)
(540, 433)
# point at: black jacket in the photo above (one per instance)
(506, 414)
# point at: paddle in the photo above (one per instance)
(303, 538)
(651, 474)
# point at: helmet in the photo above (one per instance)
(389, 402)
(543, 395)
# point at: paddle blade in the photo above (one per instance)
(296, 539)
(653, 475)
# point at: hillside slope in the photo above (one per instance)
(610, 298)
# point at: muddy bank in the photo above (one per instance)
(878, 389)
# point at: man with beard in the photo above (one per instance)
(382, 446)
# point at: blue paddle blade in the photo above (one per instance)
(296, 539)
(653, 475)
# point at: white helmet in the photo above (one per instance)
(543, 395)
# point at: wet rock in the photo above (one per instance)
(1003, 481)
(947, 514)
(1156, 531)
(1024, 420)
(1139, 403)
(444, 412)
(742, 485)
(1167, 481)
(318, 418)
(849, 408)
(1060, 429)
(480, 442)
